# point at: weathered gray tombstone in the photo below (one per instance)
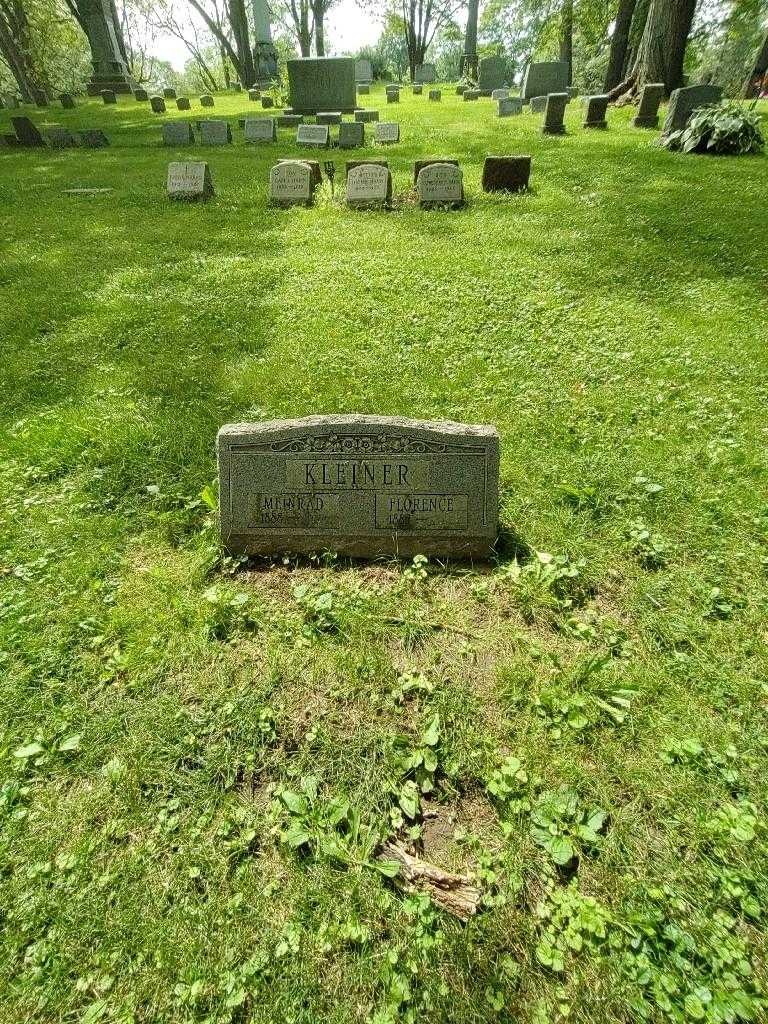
(426, 161)
(328, 117)
(206, 100)
(510, 105)
(67, 101)
(157, 103)
(109, 96)
(363, 89)
(393, 95)
(289, 120)
(215, 133)
(93, 138)
(500, 94)
(425, 74)
(363, 486)
(254, 94)
(440, 184)
(650, 101)
(492, 74)
(140, 95)
(369, 185)
(544, 77)
(538, 104)
(182, 103)
(322, 83)
(178, 133)
(290, 184)
(260, 129)
(27, 133)
(315, 135)
(61, 138)
(387, 132)
(506, 173)
(471, 94)
(169, 94)
(596, 109)
(435, 95)
(363, 71)
(351, 134)
(189, 180)
(417, 90)
(267, 102)
(366, 116)
(683, 102)
(315, 174)
(554, 114)
(460, 90)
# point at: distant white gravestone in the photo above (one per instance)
(189, 180)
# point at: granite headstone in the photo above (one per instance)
(387, 132)
(351, 134)
(178, 133)
(290, 184)
(316, 135)
(215, 133)
(543, 77)
(189, 180)
(596, 108)
(368, 185)
(683, 102)
(260, 129)
(440, 184)
(650, 101)
(554, 113)
(322, 83)
(506, 173)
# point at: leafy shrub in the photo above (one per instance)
(725, 128)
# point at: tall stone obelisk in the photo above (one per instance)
(109, 70)
(264, 52)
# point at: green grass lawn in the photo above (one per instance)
(200, 757)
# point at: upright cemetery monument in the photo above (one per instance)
(264, 52)
(683, 102)
(322, 83)
(492, 74)
(364, 486)
(109, 69)
(544, 77)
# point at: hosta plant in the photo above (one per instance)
(726, 128)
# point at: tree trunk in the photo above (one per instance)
(224, 66)
(319, 36)
(619, 44)
(16, 49)
(566, 38)
(238, 19)
(758, 72)
(662, 49)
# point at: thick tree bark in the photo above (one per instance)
(758, 72)
(238, 20)
(662, 48)
(319, 8)
(300, 17)
(566, 37)
(16, 49)
(619, 44)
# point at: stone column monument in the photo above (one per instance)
(109, 70)
(264, 53)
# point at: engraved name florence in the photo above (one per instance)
(360, 485)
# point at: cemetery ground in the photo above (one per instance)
(201, 758)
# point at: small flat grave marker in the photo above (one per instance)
(538, 104)
(289, 120)
(317, 136)
(290, 184)
(215, 133)
(366, 116)
(189, 180)
(499, 94)
(86, 191)
(178, 133)
(369, 185)
(471, 94)
(363, 486)
(387, 132)
(328, 117)
(440, 185)
(417, 90)
(351, 134)
(260, 129)
(61, 138)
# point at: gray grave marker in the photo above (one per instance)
(440, 184)
(140, 95)
(254, 94)
(61, 138)
(544, 77)
(290, 184)
(215, 133)
(500, 94)
(363, 71)
(650, 101)
(158, 104)
(363, 486)
(366, 116)
(425, 74)
(260, 129)
(315, 135)
(417, 90)
(93, 138)
(506, 173)
(387, 132)
(538, 104)
(206, 100)
(492, 74)
(351, 134)
(328, 117)
(470, 94)
(596, 108)
(169, 94)
(289, 120)
(182, 103)
(683, 102)
(554, 112)
(108, 95)
(189, 180)
(509, 106)
(178, 133)
(27, 133)
(322, 83)
(363, 90)
(368, 185)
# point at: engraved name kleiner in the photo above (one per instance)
(349, 474)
